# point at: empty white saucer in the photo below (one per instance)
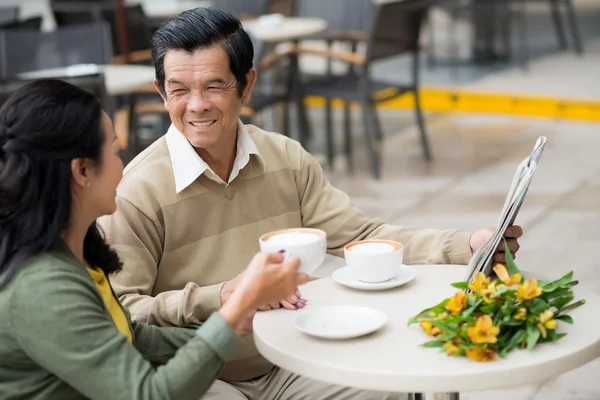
(344, 276)
(339, 322)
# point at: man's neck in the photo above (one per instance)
(220, 159)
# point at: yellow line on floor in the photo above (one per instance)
(451, 99)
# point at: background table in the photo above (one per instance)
(120, 79)
(392, 359)
(294, 28)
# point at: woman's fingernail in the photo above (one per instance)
(281, 251)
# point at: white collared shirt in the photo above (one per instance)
(188, 165)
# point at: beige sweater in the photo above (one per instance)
(178, 249)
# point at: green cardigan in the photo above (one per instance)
(58, 341)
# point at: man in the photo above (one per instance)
(192, 206)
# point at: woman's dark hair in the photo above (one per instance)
(202, 28)
(43, 126)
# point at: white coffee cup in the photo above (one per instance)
(308, 244)
(374, 260)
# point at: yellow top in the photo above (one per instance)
(112, 304)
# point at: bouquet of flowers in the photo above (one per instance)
(491, 316)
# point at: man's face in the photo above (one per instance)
(201, 95)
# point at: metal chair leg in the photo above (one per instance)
(572, 19)
(560, 31)
(348, 136)
(329, 133)
(370, 136)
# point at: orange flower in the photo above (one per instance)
(481, 354)
(528, 290)
(521, 314)
(457, 303)
(429, 328)
(451, 348)
(484, 331)
(503, 275)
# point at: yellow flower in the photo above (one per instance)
(483, 287)
(521, 314)
(451, 348)
(457, 303)
(528, 290)
(481, 354)
(484, 331)
(480, 283)
(429, 328)
(546, 322)
(503, 275)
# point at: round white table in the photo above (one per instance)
(289, 29)
(392, 360)
(119, 79)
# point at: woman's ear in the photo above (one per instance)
(82, 170)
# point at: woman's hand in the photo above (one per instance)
(266, 280)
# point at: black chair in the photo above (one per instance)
(265, 93)
(9, 15)
(33, 23)
(30, 50)
(394, 30)
(139, 31)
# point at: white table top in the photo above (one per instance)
(119, 79)
(392, 359)
(295, 28)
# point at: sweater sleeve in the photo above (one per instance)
(139, 241)
(62, 326)
(327, 208)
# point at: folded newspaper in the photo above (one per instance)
(482, 260)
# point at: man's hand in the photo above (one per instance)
(229, 287)
(294, 302)
(511, 235)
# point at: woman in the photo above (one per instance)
(63, 333)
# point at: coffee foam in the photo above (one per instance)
(291, 238)
(372, 248)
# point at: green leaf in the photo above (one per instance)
(560, 302)
(433, 343)
(460, 285)
(501, 291)
(510, 262)
(533, 335)
(565, 318)
(514, 342)
(470, 310)
(565, 279)
(435, 310)
(538, 305)
(560, 336)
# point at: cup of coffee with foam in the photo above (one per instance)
(308, 244)
(374, 260)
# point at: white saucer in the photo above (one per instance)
(344, 276)
(339, 322)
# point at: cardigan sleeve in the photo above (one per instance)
(60, 323)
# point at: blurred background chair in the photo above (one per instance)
(30, 50)
(395, 30)
(9, 15)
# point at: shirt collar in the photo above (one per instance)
(188, 165)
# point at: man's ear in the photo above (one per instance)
(82, 171)
(160, 92)
(251, 80)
